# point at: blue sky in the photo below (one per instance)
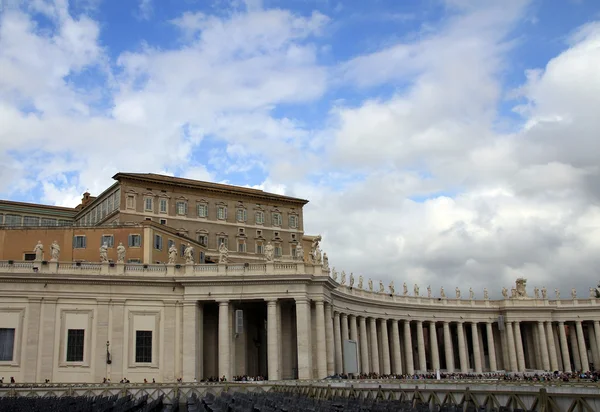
(440, 131)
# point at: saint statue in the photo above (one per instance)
(172, 254)
(334, 274)
(360, 282)
(505, 293)
(104, 252)
(121, 253)
(573, 294)
(457, 292)
(404, 289)
(315, 251)
(486, 296)
(557, 292)
(544, 292)
(370, 285)
(429, 291)
(188, 253)
(39, 251)
(442, 293)
(351, 279)
(416, 290)
(391, 288)
(300, 253)
(325, 262)
(381, 287)
(223, 253)
(343, 278)
(471, 294)
(55, 251)
(269, 252)
(536, 292)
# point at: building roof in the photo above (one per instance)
(20, 207)
(198, 184)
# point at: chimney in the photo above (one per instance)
(85, 199)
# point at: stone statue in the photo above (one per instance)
(442, 293)
(486, 295)
(598, 291)
(334, 274)
(505, 293)
(404, 289)
(223, 253)
(55, 251)
(521, 288)
(104, 252)
(172, 254)
(544, 292)
(573, 293)
(300, 253)
(188, 253)
(343, 278)
(471, 294)
(381, 287)
(360, 282)
(391, 288)
(39, 251)
(429, 291)
(351, 279)
(513, 293)
(457, 292)
(536, 292)
(269, 252)
(315, 251)
(557, 292)
(121, 253)
(370, 285)
(325, 262)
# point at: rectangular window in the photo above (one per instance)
(259, 248)
(203, 240)
(158, 242)
(13, 220)
(182, 250)
(276, 218)
(48, 222)
(75, 339)
(143, 346)
(134, 261)
(1, 219)
(7, 344)
(277, 250)
(241, 246)
(171, 243)
(163, 205)
(293, 221)
(293, 250)
(110, 204)
(102, 208)
(221, 213)
(63, 222)
(109, 240)
(202, 210)
(79, 242)
(135, 240)
(148, 204)
(163, 221)
(182, 208)
(259, 218)
(130, 202)
(31, 221)
(29, 256)
(241, 215)
(117, 199)
(221, 240)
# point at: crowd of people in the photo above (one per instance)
(521, 377)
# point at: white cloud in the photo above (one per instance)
(145, 10)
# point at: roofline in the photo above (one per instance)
(210, 186)
(61, 208)
(96, 199)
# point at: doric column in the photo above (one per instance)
(462, 352)
(354, 337)
(224, 340)
(564, 347)
(385, 348)
(510, 341)
(593, 348)
(364, 345)
(597, 333)
(273, 340)
(448, 350)
(585, 365)
(396, 348)
(339, 367)
(433, 344)
(489, 331)
(476, 351)
(374, 346)
(519, 347)
(321, 340)
(543, 345)
(330, 339)
(408, 351)
(574, 347)
(551, 347)
(421, 347)
(345, 335)
(191, 330)
(303, 325)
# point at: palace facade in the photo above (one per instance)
(69, 318)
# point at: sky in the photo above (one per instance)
(440, 142)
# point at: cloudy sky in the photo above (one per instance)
(444, 142)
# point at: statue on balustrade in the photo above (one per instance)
(343, 282)
(536, 292)
(598, 291)
(381, 287)
(521, 288)
(513, 293)
(188, 253)
(269, 252)
(315, 251)
(121, 253)
(325, 262)
(544, 292)
(416, 290)
(104, 253)
(457, 293)
(223, 253)
(557, 292)
(442, 292)
(505, 293)
(370, 285)
(39, 251)
(351, 279)
(404, 289)
(360, 282)
(55, 251)
(573, 293)
(334, 274)
(172, 254)
(429, 291)
(486, 295)
(391, 288)
(300, 253)
(471, 294)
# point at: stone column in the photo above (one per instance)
(564, 347)
(551, 347)
(321, 340)
(585, 365)
(408, 351)
(574, 347)
(489, 329)
(192, 357)
(543, 345)
(354, 337)
(374, 346)
(519, 347)
(273, 341)
(303, 326)
(510, 341)
(364, 346)
(593, 346)
(345, 336)
(397, 369)
(462, 353)
(224, 340)
(476, 351)
(339, 367)
(433, 346)
(597, 333)
(385, 347)
(330, 339)
(421, 347)
(448, 350)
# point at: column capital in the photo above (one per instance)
(302, 300)
(223, 302)
(271, 302)
(320, 302)
(343, 315)
(406, 321)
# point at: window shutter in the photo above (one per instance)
(225, 213)
(130, 240)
